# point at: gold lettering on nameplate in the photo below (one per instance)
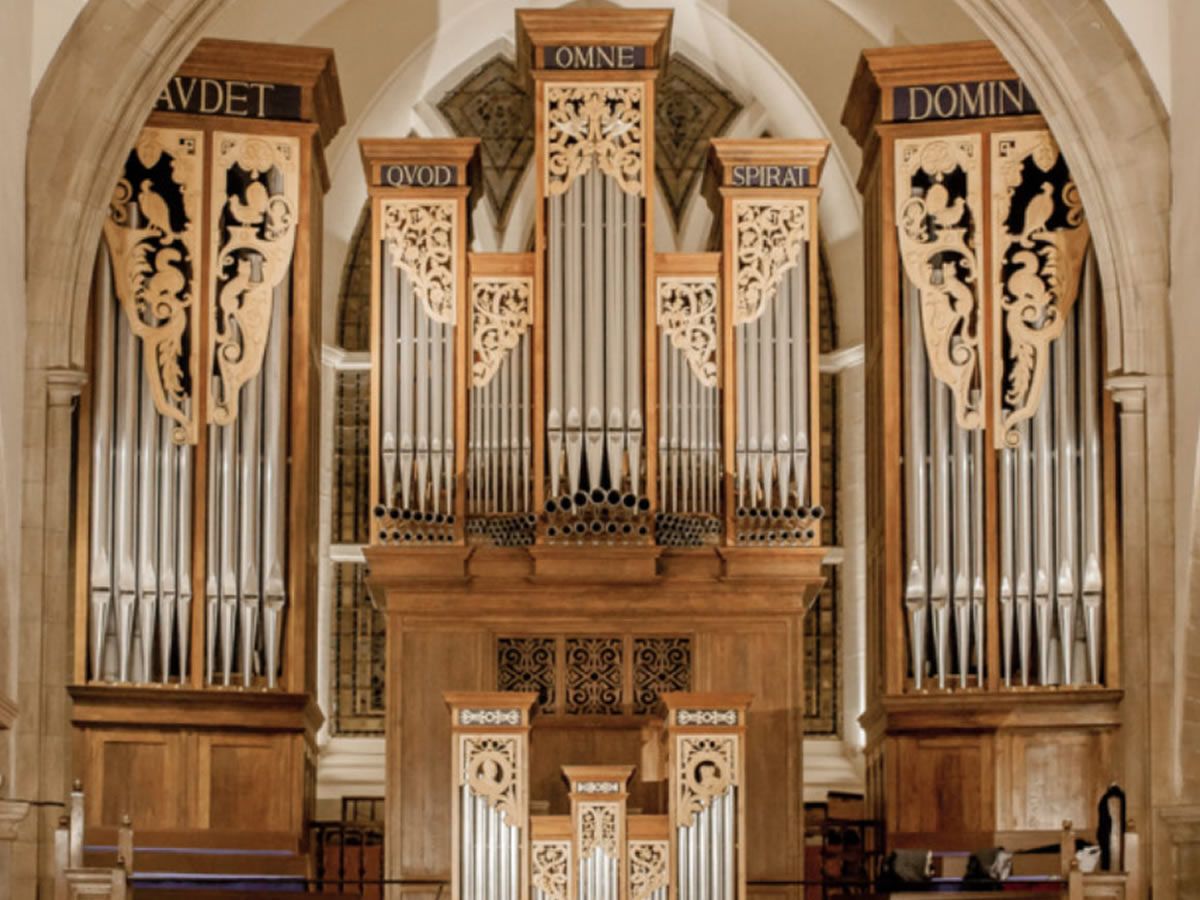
(596, 56)
(962, 100)
(769, 176)
(230, 97)
(418, 175)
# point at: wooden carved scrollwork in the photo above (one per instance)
(706, 769)
(687, 313)
(420, 238)
(550, 869)
(937, 209)
(153, 237)
(1039, 240)
(500, 313)
(769, 238)
(597, 829)
(647, 868)
(595, 124)
(490, 767)
(255, 202)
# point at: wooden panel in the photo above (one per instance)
(1048, 777)
(430, 661)
(132, 773)
(943, 784)
(248, 783)
(553, 746)
(765, 660)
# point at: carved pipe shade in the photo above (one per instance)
(769, 238)
(1039, 239)
(595, 124)
(707, 768)
(938, 202)
(420, 237)
(153, 236)
(255, 205)
(154, 232)
(687, 313)
(501, 311)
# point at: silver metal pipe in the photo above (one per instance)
(978, 572)
(125, 492)
(168, 544)
(504, 406)
(516, 854)
(753, 395)
(147, 531)
(573, 236)
(741, 438)
(961, 581)
(916, 483)
(614, 324)
(513, 373)
(495, 456)
(554, 369)
(1062, 360)
(682, 855)
(717, 823)
(274, 477)
(766, 402)
(676, 439)
(631, 227)
(422, 405)
(389, 388)
(1024, 552)
(436, 408)
(480, 844)
(407, 313)
(1007, 565)
(448, 380)
(664, 474)
(593, 338)
(731, 839)
(800, 385)
(940, 494)
(183, 593)
(703, 845)
(526, 426)
(785, 428)
(1044, 508)
(227, 523)
(212, 569)
(100, 575)
(500, 857)
(466, 836)
(693, 451)
(1090, 439)
(249, 596)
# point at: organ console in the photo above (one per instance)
(196, 520)
(992, 507)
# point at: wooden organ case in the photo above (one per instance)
(993, 675)
(591, 466)
(194, 696)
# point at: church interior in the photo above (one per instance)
(667, 450)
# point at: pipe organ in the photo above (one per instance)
(627, 504)
(600, 850)
(992, 487)
(196, 509)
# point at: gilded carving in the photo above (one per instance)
(594, 124)
(1039, 239)
(255, 202)
(687, 313)
(597, 829)
(420, 238)
(769, 238)
(706, 767)
(490, 767)
(647, 868)
(501, 311)
(153, 236)
(937, 209)
(550, 869)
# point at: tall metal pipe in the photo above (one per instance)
(407, 313)
(389, 387)
(573, 238)
(1007, 564)
(593, 348)
(766, 402)
(939, 588)
(800, 386)
(421, 435)
(1044, 509)
(466, 841)
(274, 480)
(212, 572)
(436, 387)
(1024, 552)
(1092, 474)
(1062, 359)
(100, 575)
(554, 369)
(916, 591)
(785, 341)
(250, 450)
(183, 591)
(228, 558)
(631, 228)
(168, 544)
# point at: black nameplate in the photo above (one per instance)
(418, 175)
(962, 100)
(227, 97)
(597, 56)
(769, 176)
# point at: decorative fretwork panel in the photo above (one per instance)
(359, 655)
(528, 664)
(595, 675)
(660, 664)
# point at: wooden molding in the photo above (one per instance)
(8, 711)
(725, 153)
(569, 26)
(230, 709)
(461, 154)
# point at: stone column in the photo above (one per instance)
(42, 730)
